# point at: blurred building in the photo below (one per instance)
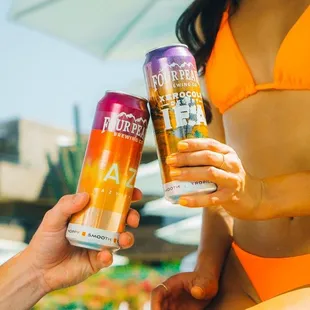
(23, 169)
(23, 165)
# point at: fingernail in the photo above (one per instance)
(182, 146)
(183, 202)
(134, 219)
(128, 239)
(197, 292)
(175, 172)
(106, 257)
(137, 222)
(171, 160)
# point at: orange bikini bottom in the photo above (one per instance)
(274, 276)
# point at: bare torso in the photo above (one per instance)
(270, 130)
(271, 139)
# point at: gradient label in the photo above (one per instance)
(177, 112)
(110, 168)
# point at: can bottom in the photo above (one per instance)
(91, 246)
(92, 238)
(175, 190)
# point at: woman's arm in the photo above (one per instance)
(216, 239)
(286, 196)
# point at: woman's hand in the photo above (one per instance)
(186, 291)
(208, 159)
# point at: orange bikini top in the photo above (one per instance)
(229, 79)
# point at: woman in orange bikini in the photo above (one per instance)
(255, 62)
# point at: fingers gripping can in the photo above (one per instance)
(109, 170)
(177, 110)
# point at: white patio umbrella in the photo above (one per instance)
(183, 232)
(162, 207)
(118, 260)
(106, 28)
(188, 262)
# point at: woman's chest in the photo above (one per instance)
(265, 30)
(271, 132)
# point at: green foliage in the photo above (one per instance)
(65, 172)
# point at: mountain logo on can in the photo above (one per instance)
(124, 123)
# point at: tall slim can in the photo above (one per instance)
(177, 111)
(109, 170)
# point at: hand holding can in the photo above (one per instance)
(177, 112)
(109, 171)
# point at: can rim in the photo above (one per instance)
(125, 93)
(165, 46)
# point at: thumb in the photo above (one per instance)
(204, 287)
(57, 218)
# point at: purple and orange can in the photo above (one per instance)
(177, 111)
(109, 170)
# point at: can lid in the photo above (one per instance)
(127, 94)
(166, 46)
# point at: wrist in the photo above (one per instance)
(207, 266)
(212, 261)
(262, 209)
(37, 275)
(256, 190)
(21, 285)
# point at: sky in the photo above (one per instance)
(41, 77)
